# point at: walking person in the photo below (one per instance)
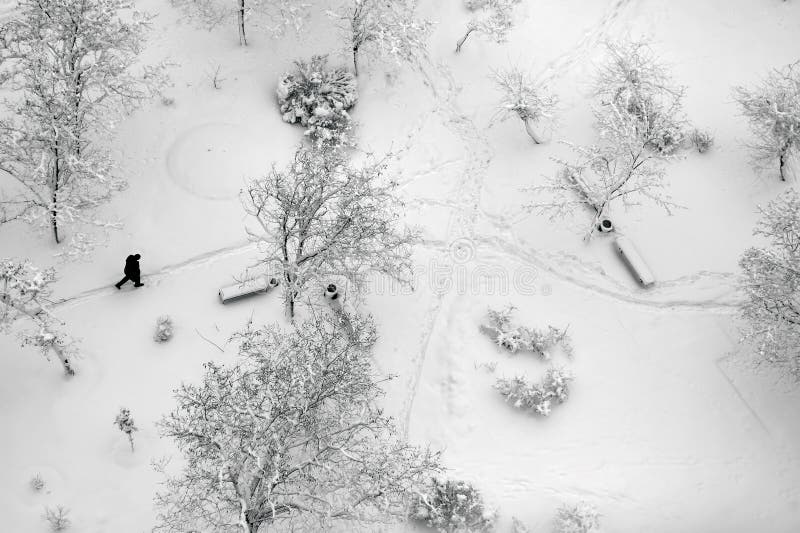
(132, 272)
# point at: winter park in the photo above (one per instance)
(412, 265)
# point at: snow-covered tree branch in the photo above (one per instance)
(73, 65)
(289, 435)
(773, 110)
(388, 30)
(24, 297)
(273, 15)
(324, 217)
(771, 281)
(492, 18)
(524, 99)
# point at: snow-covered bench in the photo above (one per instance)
(248, 287)
(635, 262)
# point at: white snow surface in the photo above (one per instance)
(667, 429)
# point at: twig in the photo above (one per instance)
(209, 341)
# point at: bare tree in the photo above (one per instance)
(771, 281)
(323, 217)
(274, 15)
(386, 29)
(24, 296)
(72, 65)
(493, 18)
(773, 110)
(633, 81)
(622, 170)
(289, 436)
(524, 99)
(640, 125)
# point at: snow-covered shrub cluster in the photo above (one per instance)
(524, 99)
(57, 518)
(514, 338)
(539, 398)
(579, 518)
(453, 506)
(318, 97)
(125, 423)
(163, 331)
(773, 110)
(702, 140)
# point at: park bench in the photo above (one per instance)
(246, 288)
(634, 261)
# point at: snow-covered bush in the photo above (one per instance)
(37, 483)
(773, 110)
(515, 338)
(536, 397)
(125, 424)
(318, 97)
(524, 99)
(57, 518)
(452, 506)
(163, 329)
(579, 518)
(702, 140)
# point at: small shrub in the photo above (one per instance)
(453, 507)
(163, 329)
(580, 518)
(318, 97)
(125, 424)
(167, 100)
(515, 338)
(536, 397)
(701, 140)
(37, 483)
(57, 518)
(670, 139)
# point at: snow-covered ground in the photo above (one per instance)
(667, 428)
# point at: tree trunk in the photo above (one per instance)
(782, 158)
(242, 36)
(53, 210)
(355, 60)
(530, 131)
(65, 362)
(461, 41)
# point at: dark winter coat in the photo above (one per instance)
(132, 266)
